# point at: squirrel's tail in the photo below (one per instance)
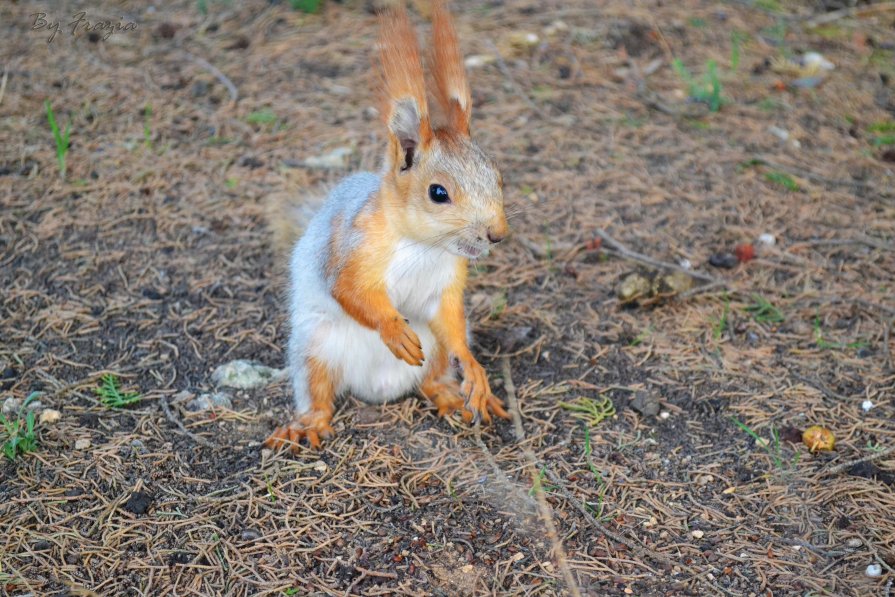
(288, 214)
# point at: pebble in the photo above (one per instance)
(664, 415)
(867, 405)
(874, 571)
(685, 263)
(245, 375)
(250, 535)
(320, 466)
(724, 260)
(332, 160)
(49, 416)
(82, 444)
(11, 406)
(854, 543)
(767, 239)
(209, 402)
(697, 534)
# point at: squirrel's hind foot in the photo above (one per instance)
(312, 426)
(447, 399)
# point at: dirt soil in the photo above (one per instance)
(151, 260)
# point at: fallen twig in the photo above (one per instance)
(531, 463)
(623, 251)
(226, 82)
(869, 458)
(851, 11)
(182, 430)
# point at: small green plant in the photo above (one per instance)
(827, 345)
(880, 140)
(231, 182)
(591, 411)
(62, 139)
(598, 477)
(723, 322)
(638, 340)
(498, 306)
(736, 43)
(110, 393)
(18, 434)
(539, 484)
(262, 116)
(783, 180)
(707, 90)
(874, 447)
(290, 592)
(309, 6)
(763, 311)
(147, 126)
(772, 447)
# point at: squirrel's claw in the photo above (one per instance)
(311, 428)
(403, 342)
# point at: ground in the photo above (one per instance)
(151, 260)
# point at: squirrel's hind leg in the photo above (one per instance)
(314, 424)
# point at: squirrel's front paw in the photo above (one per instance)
(311, 426)
(479, 399)
(402, 341)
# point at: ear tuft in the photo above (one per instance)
(403, 87)
(452, 88)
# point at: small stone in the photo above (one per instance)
(866, 405)
(854, 543)
(138, 502)
(332, 160)
(664, 415)
(724, 260)
(697, 534)
(82, 444)
(210, 402)
(42, 545)
(646, 404)
(139, 446)
(685, 263)
(11, 406)
(703, 479)
(245, 375)
(874, 571)
(320, 466)
(34, 406)
(478, 60)
(49, 416)
(250, 535)
(767, 239)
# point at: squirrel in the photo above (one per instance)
(377, 279)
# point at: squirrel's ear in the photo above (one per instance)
(452, 88)
(403, 91)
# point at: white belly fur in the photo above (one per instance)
(366, 368)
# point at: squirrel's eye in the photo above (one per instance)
(438, 194)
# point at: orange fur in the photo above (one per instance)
(452, 88)
(360, 290)
(314, 424)
(401, 71)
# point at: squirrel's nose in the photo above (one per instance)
(495, 237)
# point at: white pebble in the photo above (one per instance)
(767, 239)
(685, 263)
(854, 543)
(49, 416)
(82, 444)
(664, 414)
(697, 534)
(867, 405)
(874, 571)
